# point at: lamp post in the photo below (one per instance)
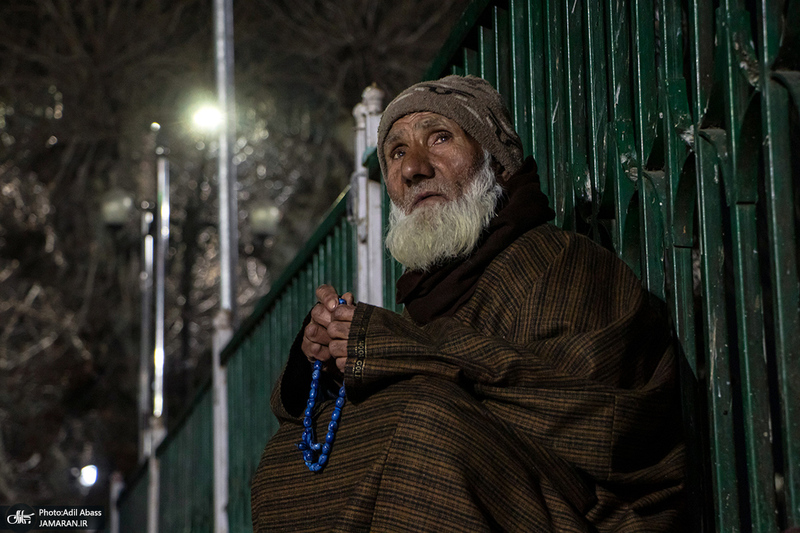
(116, 209)
(157, 425)
(225, 320)
(117, 206)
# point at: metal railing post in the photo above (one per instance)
(367, 201)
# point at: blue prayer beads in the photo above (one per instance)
(307, 444)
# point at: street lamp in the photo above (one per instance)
(264, 219)
(208, 118)
(116, 207)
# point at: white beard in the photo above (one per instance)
(434, 234)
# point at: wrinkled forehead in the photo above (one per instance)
(409, 124)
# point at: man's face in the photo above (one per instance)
(429, 160)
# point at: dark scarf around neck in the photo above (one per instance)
(443, 289)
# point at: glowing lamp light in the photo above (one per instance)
(116, 207)
(264, 219)
(208, 118)
(88, 475)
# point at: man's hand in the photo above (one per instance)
(325, 336)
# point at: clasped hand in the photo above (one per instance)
(325, 336)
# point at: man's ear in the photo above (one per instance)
(501, 174)
(504, 176)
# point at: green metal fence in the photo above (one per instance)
(665, 129)
(257, 353)
(133, 503)
(186, 480)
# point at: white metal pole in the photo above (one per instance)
(152, 489)
(367, 196)
(225, 320)
(372, 98)
(162, 245)
(228, 221)
(157, 426)
(145, 339)
(358, 202)
(116, 486)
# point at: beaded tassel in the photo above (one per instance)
(307, 445)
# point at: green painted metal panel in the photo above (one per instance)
(471, 62)
(721, 415)
(487, 58)
(645, 88)
(753, 364)
(521, 90)
(622, 168)
(186, 476)
(561, 195)
(501, 39)
(133, 503)
(536, 84)
(575, 113)
(781, 195)
(597, 111)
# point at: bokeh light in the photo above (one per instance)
(88, 475)
(207, 118)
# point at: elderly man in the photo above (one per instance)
(528, 386)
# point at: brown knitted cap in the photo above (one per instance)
(472, 103)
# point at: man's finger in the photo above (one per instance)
(314, 351)
(321, 315)
(328, 297)
(338, 350)
(348, 297)
(343, 313)
(316, 333)
(338, 330)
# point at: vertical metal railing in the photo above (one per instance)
(187, 475)
(668, 131)
(132, 502)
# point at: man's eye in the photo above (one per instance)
(397, 154)
(441, 137)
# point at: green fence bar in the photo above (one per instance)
(780, 99)
(133, 502)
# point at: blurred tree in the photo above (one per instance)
(80, 83)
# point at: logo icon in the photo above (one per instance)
(20, 517)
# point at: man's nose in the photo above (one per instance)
(416, 166)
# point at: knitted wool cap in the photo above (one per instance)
(469, 101)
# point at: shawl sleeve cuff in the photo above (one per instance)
(385, 347)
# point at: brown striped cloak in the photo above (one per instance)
(546, 403)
